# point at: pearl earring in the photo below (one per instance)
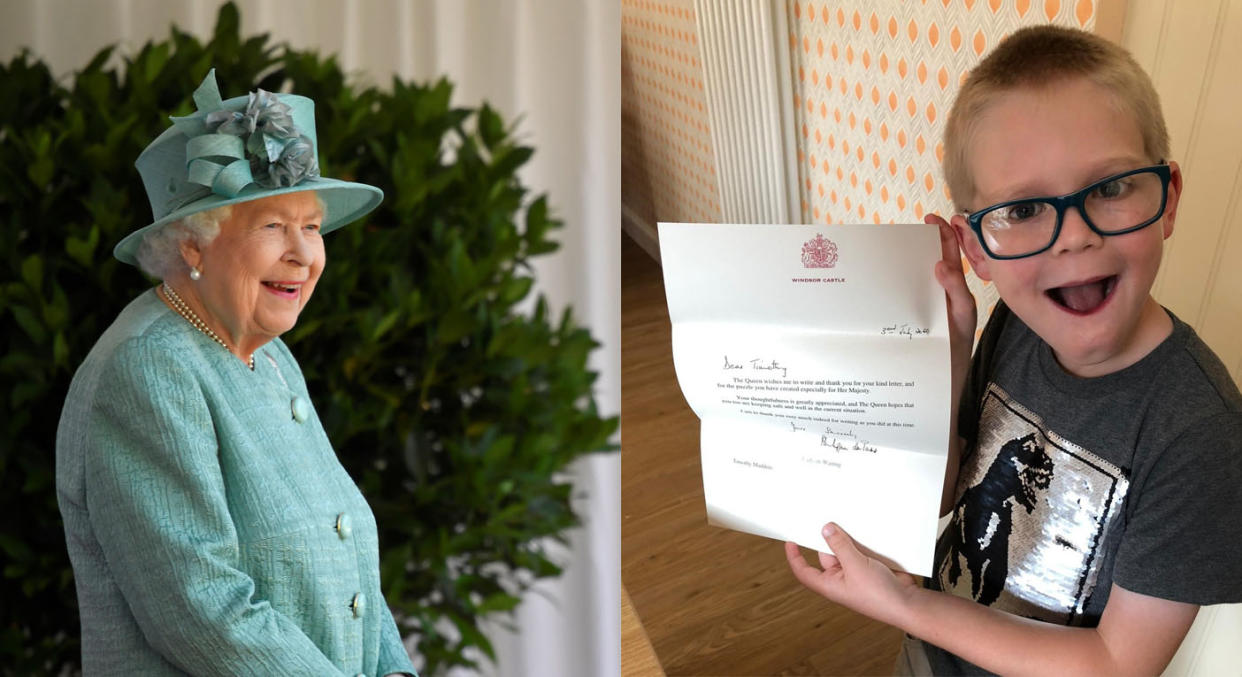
(195, 274)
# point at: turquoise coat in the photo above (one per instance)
(211, 528)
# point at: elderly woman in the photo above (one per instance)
(211, 528)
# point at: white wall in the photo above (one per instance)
(1192, 51)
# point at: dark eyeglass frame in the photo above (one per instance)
(1077, 200)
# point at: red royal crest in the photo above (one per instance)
(819, 253)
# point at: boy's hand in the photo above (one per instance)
(853, 579)
(962, 315)
(962, 321)
(1137, 634)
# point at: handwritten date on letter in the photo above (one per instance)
(904, 329)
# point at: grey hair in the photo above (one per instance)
(159, 253)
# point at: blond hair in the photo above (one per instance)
(1040, 56)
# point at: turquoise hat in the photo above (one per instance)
(242, 149)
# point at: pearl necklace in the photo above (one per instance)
(184, 311)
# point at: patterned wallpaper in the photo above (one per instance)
(668, 166)
(873, 82)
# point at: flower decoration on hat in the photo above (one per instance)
(228, 150)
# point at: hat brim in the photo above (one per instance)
(344, 202)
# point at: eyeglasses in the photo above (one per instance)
(1119, 204)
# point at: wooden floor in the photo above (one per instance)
(712, 601)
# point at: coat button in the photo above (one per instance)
(343, 528)
(301, 409)
(358, 605)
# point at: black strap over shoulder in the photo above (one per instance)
(982, 366)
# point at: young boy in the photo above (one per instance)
(1096, 503)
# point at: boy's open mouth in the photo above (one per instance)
(1085, 298)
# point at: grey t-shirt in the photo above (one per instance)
(1068, 485)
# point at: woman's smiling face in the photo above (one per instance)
(260, 271)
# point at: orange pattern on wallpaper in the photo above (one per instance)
(668, 165)
(873, 82)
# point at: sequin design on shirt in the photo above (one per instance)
(1032, 510)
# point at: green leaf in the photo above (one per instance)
(40, 171)
(14, 548)
(453, 326)
(499, 451)
(56, 312)
(510, 160)
(385, 324)
(60, 350)
(101, 57)
(83, 250)
(32, 271)
(29, 323)
(516, 289)
(491, 128)
(228, 24)
(25, 392)
(155, 60)
(498, 602)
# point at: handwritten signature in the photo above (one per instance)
(841, 433)
(863, 445)
(834, 443)
(796, 427)
(838, 445)
(904, 329)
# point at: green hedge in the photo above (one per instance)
(454, 412)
